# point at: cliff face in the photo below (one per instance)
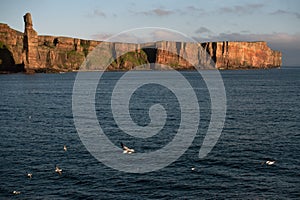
(234, 55)
(11, 49)
(32, 53)
(62, 53)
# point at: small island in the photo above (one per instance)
(32, 53)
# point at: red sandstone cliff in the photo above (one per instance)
(32, 53)
(246, 54)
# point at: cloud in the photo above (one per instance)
(202, 30)
(168, 35)
(284, 12)
(245, 31)
(194, 9)
(162, 12)
(96, 13)
(158, 12)
(143, 35)
(280, 12)
(123, 37)
(101, 36)
(241, 9)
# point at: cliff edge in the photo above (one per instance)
(29, 52)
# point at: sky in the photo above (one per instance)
(274, 21)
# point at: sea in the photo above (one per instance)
(261, 124)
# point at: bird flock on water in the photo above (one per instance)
(126, 150)
(59, 170)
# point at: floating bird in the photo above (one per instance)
(126, 149)
(58, 170)
(193, 168)
(270, 162)
(29, 175)
(65, 148)
(16, 192)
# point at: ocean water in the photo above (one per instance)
(262, 123)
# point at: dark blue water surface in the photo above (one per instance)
(262, 123)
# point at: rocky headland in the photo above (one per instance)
(29, 52)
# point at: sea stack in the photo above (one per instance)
(30, 44)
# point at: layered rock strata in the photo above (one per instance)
(33, 53)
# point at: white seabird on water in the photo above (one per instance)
(58, 170)
(126, 149)
(270, 162)
(29, 175)
(65, 148)
(16, 192)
